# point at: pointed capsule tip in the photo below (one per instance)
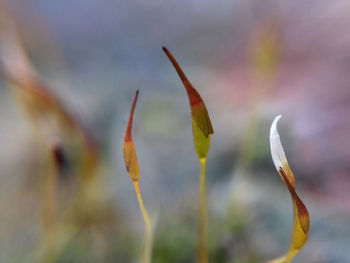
(135, 100)
(277, 152)
(169, 55)
(273, 130)
(277, 118)
(127, 134)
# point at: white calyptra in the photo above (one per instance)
(277, 152)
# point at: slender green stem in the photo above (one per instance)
(147, 247)
(49, 201)
(48, 208)
(202, 253)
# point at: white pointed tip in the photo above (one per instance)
(273, 130)
(277, 118)
(277, 152)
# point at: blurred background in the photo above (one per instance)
(249, 60)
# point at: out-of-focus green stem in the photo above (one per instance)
(147, 246)
(49, 183)
(48, 207)
(202, 253)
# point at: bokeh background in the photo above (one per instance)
(250, 61)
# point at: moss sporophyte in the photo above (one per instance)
(301, 221)
(132, 167)
(201, 131)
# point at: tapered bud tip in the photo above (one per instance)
(127, 134)
(169, 55)
(136, 96)
(277, 152)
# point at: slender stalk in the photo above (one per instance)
(147, 246)
(202, 244)
(48, 207)
(49, 181)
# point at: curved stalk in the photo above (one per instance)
(147, 245)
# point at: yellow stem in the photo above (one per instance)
(202, 253)
(48, 208)
(146, 253)
(49, 200)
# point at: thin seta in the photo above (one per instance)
(132, 167)
(201, 130)
(301, 220)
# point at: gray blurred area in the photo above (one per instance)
(250, 61)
